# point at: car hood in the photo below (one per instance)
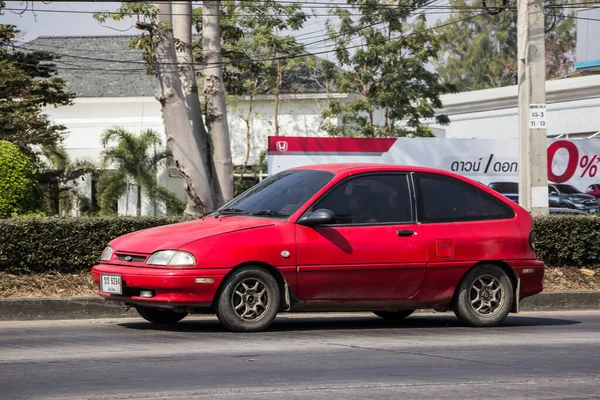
(170, 237)
(581, 196)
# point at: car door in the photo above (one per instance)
(374, 251)
(462, 225)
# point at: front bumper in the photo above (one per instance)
(171, 286)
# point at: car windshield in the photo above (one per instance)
(279, 195)
(505, 187)
(568, 189)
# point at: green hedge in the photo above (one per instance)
(74, 244)
(63, 244)
(568, 240)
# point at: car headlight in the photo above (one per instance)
(106, 254)
(171, 258)
(576, 200)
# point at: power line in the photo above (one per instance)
(271, 58)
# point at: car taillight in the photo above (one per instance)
(532, 240)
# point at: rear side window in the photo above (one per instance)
(446, 199)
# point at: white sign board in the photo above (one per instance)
(537, 116)
(573, 161)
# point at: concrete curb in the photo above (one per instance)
(97, 307)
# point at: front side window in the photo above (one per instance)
(446, 199)
(370, 199)
(279, 195)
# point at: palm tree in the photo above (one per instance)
(56, 175)
(133, 159)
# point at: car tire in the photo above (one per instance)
(249, 300)
(163, 316)
(394, 316)
(484, 296)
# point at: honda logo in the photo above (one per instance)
(282, 146)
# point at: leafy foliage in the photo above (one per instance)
(18, 187)
(27, 84)
(387, 70)
(64, 244)
(74, 244)
(479, 50)
(580, 247)
(134, 158)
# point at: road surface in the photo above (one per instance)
(304, 356)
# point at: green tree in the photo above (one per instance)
(386, 50)
(134, 160)
(19, 192)
(28, 83)
(260, 54)
(479, 50)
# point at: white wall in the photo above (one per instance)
(299, 115)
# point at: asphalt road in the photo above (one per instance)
(533, 355)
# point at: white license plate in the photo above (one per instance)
(111, 284)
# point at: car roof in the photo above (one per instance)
(365, 167)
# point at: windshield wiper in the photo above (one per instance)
(271, 213)
(232, 210)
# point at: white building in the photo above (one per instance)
(573, 110)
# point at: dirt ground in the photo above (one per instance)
(66, 285)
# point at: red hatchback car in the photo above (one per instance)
(381, 238)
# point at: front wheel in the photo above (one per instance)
(160, 315)
(393, 316)
(249, 301)
(484, 297)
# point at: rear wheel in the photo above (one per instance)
(249, 301)
(484, 297)
(160, 315)
(393, 316)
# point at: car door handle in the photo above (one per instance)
(406, 232)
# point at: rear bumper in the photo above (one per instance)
(531, 274)
(171, 287)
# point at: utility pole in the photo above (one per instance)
(533, 142)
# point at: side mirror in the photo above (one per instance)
(321, 216)
(554, 193)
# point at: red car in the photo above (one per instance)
(387, 239)
(594, 190)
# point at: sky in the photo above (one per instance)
(39, 20)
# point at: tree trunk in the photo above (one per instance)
(214, 90)
(182, 31)
(139, 200)
(183, 143)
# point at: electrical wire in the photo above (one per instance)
(312, 54)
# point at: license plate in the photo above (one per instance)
(593, 210)
(111, 284)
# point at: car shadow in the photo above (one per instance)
(291, 323)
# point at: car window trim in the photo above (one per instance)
(347, 179)
(454, 220)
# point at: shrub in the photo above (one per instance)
(19, 192)
(74, 244)
(568, 240)
(64, 244)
